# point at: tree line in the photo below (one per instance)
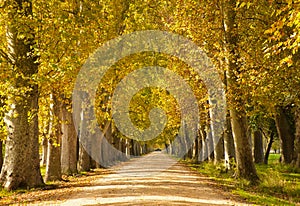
(43, 44)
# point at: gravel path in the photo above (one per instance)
(154, 179)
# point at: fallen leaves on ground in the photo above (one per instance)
(58, 190)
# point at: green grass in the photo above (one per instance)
(279, 184)
(273, 159)
(5, 193)
(261, 199)
(43, 170)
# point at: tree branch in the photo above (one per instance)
(5, 56)
(257, 19)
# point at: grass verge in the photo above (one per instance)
(279, 185)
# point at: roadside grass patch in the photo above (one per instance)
(5, 193)
(279, 184)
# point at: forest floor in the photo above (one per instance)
(153, 179)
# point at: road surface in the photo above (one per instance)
(154, 179)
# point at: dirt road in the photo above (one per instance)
(154, 179)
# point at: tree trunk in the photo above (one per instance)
(196, 149)
(127, 148)
(2, 135)
(245, 165)
(217, 141)
(1, 154)
(53, 166)
(204, 150)
(44, 151)
(146, 149)
(170, 148)
(269, 147)
(209, 144)
(188, 142)
(69, 143)
(84, 163)
(199, 146)
(229, 151)
(21, 167)
(258, 147)
(131, 147)
(296, 160)
(123, 146)
(285, 134)
(136, 148)
(118, 144)
(218, 150)
(108, 154)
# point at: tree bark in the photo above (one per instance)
(199, 146)
(117, 146)
(204, 150)
(21, 167)
(145, 149)
(229, 151)
(187, 143)
(296, 158)
(53, 165)
(218, 146)
(44, 151)
(106, 153)
(258, 147)
(2, 135)
(131, 147)
(44, 143)
(69, 143)
(1, 154)
(136, 148)
(218, 150)
(245, 165)
(84, 162)
(127, 148)
(285, 134)
(266, 159)
(209, 144)
(196, 149)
